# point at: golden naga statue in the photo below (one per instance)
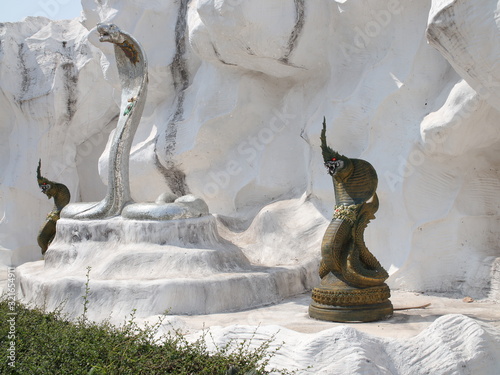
(352, 280)
(61, 196)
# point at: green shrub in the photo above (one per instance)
(47, 343)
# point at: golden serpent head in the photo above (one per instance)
(46, 185)
(334, 165)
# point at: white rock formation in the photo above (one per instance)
(56, 106)
(453, 344)
(237, 94)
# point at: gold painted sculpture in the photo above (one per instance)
(352, 280)
(61, 196)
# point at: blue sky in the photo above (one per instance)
(16, 10)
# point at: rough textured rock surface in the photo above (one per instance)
(238, 91)
(55, 106)
(453, 344)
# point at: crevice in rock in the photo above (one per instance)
(25, 73)
(219, 57)
(178, 67)
(297, 29)
(176, 179)
(70, 82)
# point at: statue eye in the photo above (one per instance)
(334, 159)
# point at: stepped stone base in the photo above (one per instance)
(176, 266)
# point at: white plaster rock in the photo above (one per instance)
(56, 106)
(237, 95)
(467, 35)
(453, 344)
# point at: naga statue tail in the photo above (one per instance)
(327, 152)
(359, 265)
(41, 180)
(38, 170)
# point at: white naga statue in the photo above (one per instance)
(133, 72)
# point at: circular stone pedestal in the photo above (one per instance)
(337, 301)
(178, 266)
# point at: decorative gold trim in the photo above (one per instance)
(351, 314)
(53, 216)
(348, 213)
(349, 297)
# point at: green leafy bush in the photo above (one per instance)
(47, 343)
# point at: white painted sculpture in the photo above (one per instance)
(149, 239)
(133, 72)
(240, 155)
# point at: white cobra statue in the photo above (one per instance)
(133, 72)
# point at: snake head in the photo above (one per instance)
(334, 165)
(47, 189)
(44, 184)
(109, 32)
(333, 160)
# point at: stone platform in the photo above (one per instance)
(176, 266)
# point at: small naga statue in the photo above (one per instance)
(61, 196)
(352, 280)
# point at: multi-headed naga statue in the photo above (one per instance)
(133, 73)
(352, 279)
(61, 196)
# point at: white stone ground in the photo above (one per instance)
(448, 337)
(292, 314)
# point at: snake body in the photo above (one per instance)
(61, 196)
(133, 73)
(343, 249)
